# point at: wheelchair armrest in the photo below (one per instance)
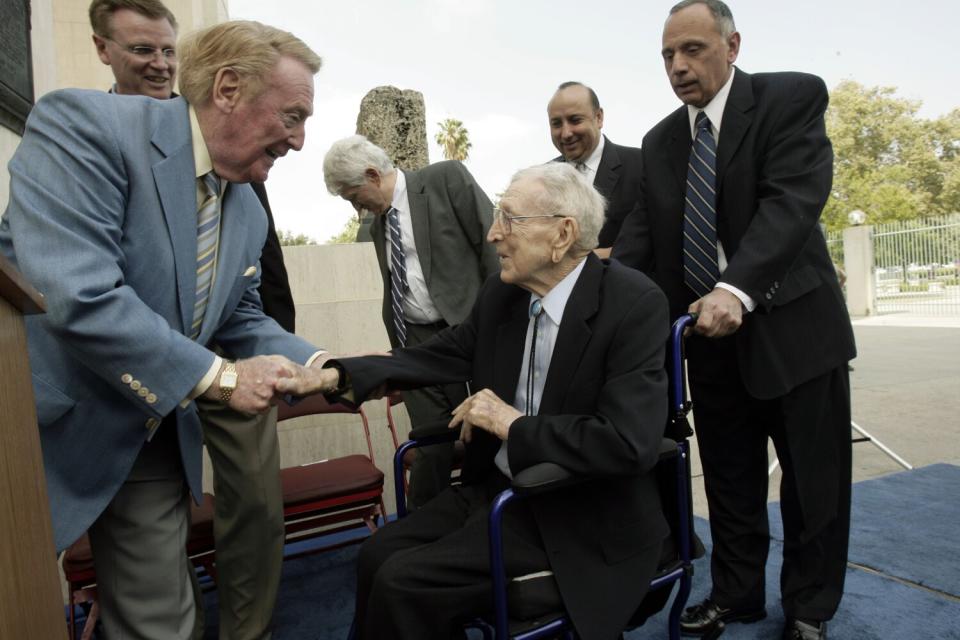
(543, 477)
(436, 429)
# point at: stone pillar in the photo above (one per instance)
(395, 121)
(858, 263)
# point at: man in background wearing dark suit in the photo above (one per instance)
(442, 217)
(732, 187)
(137, 38)
(576, 119)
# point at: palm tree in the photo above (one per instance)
(454, 139)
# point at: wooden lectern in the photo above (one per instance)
(31, 604)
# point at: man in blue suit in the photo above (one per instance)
(131, 215)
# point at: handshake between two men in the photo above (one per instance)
(262, 381)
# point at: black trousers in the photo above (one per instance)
(810, 429)
(421, 577)
(430, 470)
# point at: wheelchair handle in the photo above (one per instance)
(678, 395)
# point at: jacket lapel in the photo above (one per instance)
(508, 355)
(573, 337)
(420, 218)
(678, 150)
(737, 117)
(175, 178)
(608, 172)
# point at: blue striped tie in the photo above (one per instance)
(398, 276)
(700, 268)
(208, 236)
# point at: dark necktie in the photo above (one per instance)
(700, 268)
(536, 310)
(398, 276)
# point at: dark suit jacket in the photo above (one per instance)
(618, 180)
(451, 216)
(602, 415)
(774, 171)
(274, 284)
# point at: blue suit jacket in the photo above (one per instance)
(102, 220)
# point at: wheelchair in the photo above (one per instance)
(673, 475)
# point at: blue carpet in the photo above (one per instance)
(904, 528)
(905, 525)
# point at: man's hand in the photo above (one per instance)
(720, 313)
(486, 411)
(305, 381)
(256, 383)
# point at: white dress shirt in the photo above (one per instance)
(553, 305)
(714, 111)
(592, 163)
(417, 305)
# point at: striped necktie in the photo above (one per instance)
(208, 236)
(398, 276)
(700, 268)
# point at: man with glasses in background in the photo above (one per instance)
(137, 39)
(428, 231)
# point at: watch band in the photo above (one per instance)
(228, 382)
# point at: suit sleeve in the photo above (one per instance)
(474, 211)
(622, 436)
(66, 214)
(792, 188)
(633, 246)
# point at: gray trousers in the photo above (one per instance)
(138, 544)
(248, 521)
(430, 470)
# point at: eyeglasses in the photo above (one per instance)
(146, 52)
(500, 216)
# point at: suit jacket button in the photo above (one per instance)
(142, 392)
(151, 398)
(769, 296)
(135, 385)
(152, 423)
(126, 378)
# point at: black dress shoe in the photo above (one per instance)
(704, 618)
(800, 630)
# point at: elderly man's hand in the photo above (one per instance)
(305, 381)
(720, 313)
(486, 411)
(256, 383)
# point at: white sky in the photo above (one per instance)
(495, 63)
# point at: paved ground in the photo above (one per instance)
(906, 393)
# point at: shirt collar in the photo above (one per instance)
(714, 108)
(593, 162)
(556, 299)
(201, 156)
(399, 191)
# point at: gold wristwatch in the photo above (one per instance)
(228, 382)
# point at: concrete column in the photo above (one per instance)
(858, 263)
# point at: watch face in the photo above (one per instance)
(228, 379)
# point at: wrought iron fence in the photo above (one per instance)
(917, 266)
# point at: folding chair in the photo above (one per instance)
(331, 495)
(674, 475)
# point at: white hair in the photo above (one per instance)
(347, 161)
(567, 193)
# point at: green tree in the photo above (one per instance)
(454, 139)
(888, 162)
(349, 233)
(289, 238)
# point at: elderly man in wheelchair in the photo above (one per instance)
(566, 354)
